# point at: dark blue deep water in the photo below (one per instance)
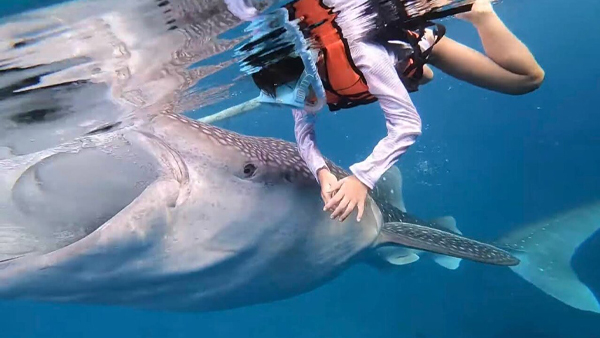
(494, 162)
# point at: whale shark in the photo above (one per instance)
(545, 249)
(391, 201)
(173, 214)
(105, 202)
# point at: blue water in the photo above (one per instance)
(494, 162)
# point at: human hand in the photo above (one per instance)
(480, 10)
(351, 193)
(327, 180)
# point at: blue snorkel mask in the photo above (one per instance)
(263, 40)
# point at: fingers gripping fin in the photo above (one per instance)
(443, 242)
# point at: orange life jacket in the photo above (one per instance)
(345, 85)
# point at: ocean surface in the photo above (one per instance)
(494, 162)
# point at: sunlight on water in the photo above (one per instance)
(72, 67)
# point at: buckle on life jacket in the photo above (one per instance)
(413, 73)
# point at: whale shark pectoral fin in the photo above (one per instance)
(444, 243)
(451, 263)
(403, 260)
(448, 223)
(397, 255)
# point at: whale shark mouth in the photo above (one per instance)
(60, 199)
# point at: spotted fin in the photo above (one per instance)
(389, 188)
(442, 242)
(447, 223)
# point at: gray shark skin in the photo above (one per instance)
(390, 200)
(545, 249)
(172, 214)
(105, 198)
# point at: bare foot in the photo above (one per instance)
(480, 9)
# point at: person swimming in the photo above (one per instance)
(355, 68)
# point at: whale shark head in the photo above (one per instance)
(173, 214)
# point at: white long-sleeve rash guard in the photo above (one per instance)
(402, 120)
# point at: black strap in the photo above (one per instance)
(434, 15)
(420, 58)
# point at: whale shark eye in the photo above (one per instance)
(288, 177)
(249, 170)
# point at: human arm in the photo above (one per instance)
(306, 141)
(508, 66)
(402, 122)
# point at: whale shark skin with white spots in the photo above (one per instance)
(158, 211)
(172, 214)
(160, 216)
(544, 248)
